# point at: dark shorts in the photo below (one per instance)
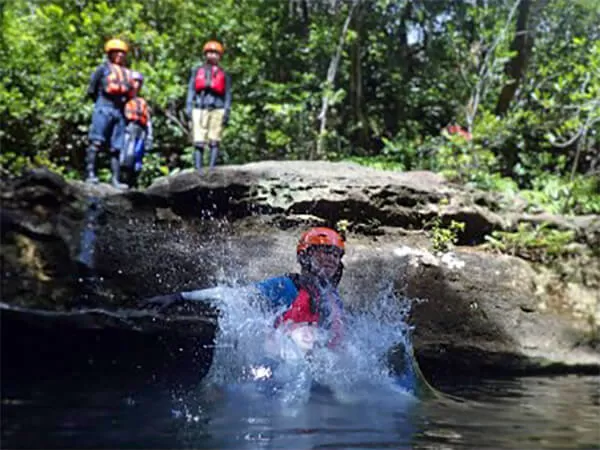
(108, 125)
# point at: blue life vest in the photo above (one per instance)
(280, 291)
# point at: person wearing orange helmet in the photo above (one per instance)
(208, 103)
(109, 88)
(309, 297)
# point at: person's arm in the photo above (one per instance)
(93, 86)
(209, 296)
(278, 291)
(191, 92)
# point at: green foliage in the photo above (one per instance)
(559, 195)
(381, 163)
(443, 238)
(534, 242)
(12, 162)
(154, 166)
(407, 70)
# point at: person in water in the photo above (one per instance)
(309, 297)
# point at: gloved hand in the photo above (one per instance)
(148, 145)
(226, 119)
(161, 302)
(188, 112)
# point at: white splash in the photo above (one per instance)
(352, 373)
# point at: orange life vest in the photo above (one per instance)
(210, 77)
(136, 110)
(118, 80)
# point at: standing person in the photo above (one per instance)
(109, 88)
(208, 103)
(138, 132)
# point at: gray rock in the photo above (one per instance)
(483, 312)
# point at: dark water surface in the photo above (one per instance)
(109, 412)
(71, 388)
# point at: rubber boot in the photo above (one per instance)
(134, 179)
(115, 167)
(198, 154)
(90, 165)
(214, 153)
(125, 176)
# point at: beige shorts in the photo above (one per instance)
(207, 125)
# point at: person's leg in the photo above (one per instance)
(200, 132)
(115, 167)
(116, 146)
(97, 136)
(215, 128)
(214, 153)
(134, 178)
(198, 155)
(90, 162)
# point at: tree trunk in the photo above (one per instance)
(329, 82)
(356, 88)
(522, 44)
(487, 67)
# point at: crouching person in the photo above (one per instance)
(138, 133)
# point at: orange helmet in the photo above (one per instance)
(319, 236)
(213, 46)
(116, 44)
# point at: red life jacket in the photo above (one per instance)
(118, 80)
(136, 110)
(210, 77)
(300, 313)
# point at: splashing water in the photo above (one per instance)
(359, 372)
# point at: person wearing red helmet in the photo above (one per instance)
(208, 103)
(309, 297)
